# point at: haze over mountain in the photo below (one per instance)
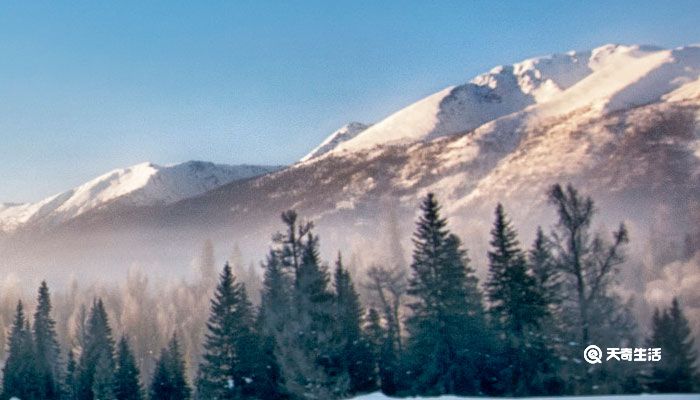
(141, 185)
(619, 122)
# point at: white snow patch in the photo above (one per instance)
(144, 184)
(609, 78)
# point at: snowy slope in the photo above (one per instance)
(144, 184)
(345, 133)
(379, 396)
(606, 79)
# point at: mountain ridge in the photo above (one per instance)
(144, 184)
(547, 85)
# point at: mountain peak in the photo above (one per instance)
(608, 78)
(143, 184)
(343, 134)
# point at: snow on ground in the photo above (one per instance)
(380, 396)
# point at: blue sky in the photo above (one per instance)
(86, 87)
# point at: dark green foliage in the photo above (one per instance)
(274, 310)
(544, 269)
(127, 384)
(70, 385)
(356, 352)
(103, 382)
(48, 363)
(230, 366)
(548, 340)
(517, 309)
(98, 351)
(169, 381)
(20, 373)
(306, 347)
(516, 301)
(446, 326)
(677, 371)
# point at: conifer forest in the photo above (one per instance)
(299, 327)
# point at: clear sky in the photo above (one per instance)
(86, 87)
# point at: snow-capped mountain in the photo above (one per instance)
(345, 133)
(619, 122)
(141, 185)
(608, 78)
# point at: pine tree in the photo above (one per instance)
(517, 305)
(516, 302)
(306, 349)
(676, 372)
(543, 267)
(274, 312)
(181, 388)
(127, 384)
(46, 346)
(312, 364)
(548, 340)
(160, 382)
(230, 349)
(98, 351)
(103, 379)
(19, 372)
(169, 382)
(445, 327)
(356, 352)
(70, 385)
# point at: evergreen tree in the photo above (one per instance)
(103, 379)
(676, 372)
(19, 373)
(160, 382)
(98, 350)
(48, 363)
(517, 306)
(127, 384)
(311, 361)
(306, 347)
(548, 340)
(356, 353)
(543, 267)
(445, 326)
(516, 302)
(181, 388)
(230, 349)
(274, 312)
(70, 388)
(169, 382)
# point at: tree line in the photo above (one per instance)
(437, 329)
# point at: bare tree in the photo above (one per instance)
(388, 286)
